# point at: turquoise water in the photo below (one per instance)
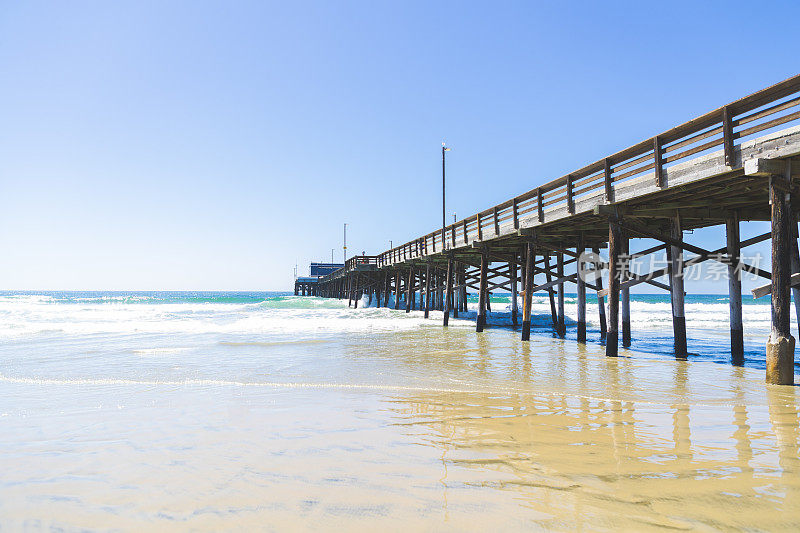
(27, 313)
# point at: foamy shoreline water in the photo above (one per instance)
(252, 410)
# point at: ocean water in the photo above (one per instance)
(268, 411)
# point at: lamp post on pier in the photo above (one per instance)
(444, 149)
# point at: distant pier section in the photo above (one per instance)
(737, 163)
(307, 285)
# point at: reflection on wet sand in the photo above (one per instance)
(576, 461)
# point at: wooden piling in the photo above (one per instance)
(562, 329)
(795, 265)
(512, 267)
(481, 319)
(397, 289)
(601, 301)
(625, 294)
(735, 289)
(409, 288)
(780, 346)
(456, 294)
(548, 278)
(677, 291)
(614, 250)
(355, 285)
(581, 290)
(530, 259)
(427, 289)
(448, 282)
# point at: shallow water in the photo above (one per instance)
(228, 411)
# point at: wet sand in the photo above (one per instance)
(423, 429)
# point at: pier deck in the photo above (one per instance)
(731, 165)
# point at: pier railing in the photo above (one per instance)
(725, 127)
(358, 262)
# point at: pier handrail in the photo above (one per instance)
(764, 110)
(351, 264)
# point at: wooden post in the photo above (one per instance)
(413, 285)
(448, 282)
(735, 289)
(677, 292)
(780, 346)
(355, 284)
(625, 293)
(427, 289)
(795, 260)
(397, 289)
(456, 299)
(481, 320)
(601, 301)
(409, 288)
(562, 329)
(349, 291)
(581, 291)
(378, 291)
(530, 258)
(512, 267)
(614, 249)
(464, 294)
(548, 277)
(439, 304)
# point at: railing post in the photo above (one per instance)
(658, 162)
(515, 210)
(541, 205)
(496, 221)
(727, 135)
(466, 239)
(480, 232)
(608, 181)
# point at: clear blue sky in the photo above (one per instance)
(197, 145)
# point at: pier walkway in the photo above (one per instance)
(734, 164)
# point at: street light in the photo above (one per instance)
(444, 149)
(344, 248)
(332, 255)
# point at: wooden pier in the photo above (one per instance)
(734, 164)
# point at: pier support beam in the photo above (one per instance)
(735, 289)
(614, 249)
(512, 268)
(549, 278)
(482, 290)
(601, 301)
(625, 293)
(397, 289)
(456, 299)
(448, 283)
(530, 258)
(795, 264)
(780, 346)
(677, 291)
(409, 289)
(427, 289)
(562, 328)
(355, 290)
(581, 291)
